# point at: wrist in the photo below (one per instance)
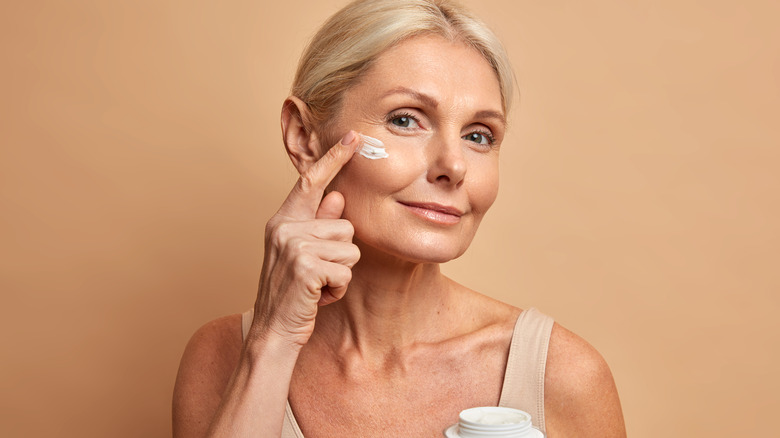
(264, 348)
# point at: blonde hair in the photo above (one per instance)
(356, 35)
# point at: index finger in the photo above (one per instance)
(305, 197)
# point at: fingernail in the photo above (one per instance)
(349, 137)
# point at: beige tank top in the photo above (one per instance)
(523, 386)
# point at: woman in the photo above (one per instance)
(398, 349)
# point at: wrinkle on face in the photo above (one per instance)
(452, 90)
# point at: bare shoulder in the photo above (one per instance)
(205, 369)
(580, 396)
(486, 310)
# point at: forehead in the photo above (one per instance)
(451, 72)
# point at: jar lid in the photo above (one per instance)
(493, 422)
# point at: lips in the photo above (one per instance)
(436, 213)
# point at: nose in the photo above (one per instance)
(447, 164)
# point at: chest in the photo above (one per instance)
(419, 402)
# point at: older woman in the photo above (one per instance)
(355, 331)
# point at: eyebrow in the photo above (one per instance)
(432, 102)
(422, 97)
(490, 114)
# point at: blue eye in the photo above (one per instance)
(479, 138)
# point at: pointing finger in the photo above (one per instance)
(305, 197)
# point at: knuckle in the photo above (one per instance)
(343, 229)
(280, 233)
(355, 255)
(349, 229)
(342, 275)
(270, 226)
(308, 180)
(298, 245)
(305, 264)
(346, 273)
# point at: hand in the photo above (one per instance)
(309, 252)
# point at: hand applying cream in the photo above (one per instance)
(372, 148)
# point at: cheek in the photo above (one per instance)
(484, 188)
(378, 178)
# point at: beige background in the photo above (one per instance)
(141, 156)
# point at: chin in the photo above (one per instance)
(417, 249)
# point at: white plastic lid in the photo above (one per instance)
(493, 422)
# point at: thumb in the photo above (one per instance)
(331, 207)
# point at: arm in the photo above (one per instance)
(221, 389)
(580, 397)
(226, 388)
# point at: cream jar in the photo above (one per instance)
(493, 422)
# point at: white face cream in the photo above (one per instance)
(372, 148)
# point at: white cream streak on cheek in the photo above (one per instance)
(372, 148)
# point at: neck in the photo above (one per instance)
(390, 305)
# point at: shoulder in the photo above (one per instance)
(205, 369)
(580, 396)
(215, 345)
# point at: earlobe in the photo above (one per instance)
(301, 142)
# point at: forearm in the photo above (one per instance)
(255, 399)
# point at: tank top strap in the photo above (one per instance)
(523, 386)
(246, 322)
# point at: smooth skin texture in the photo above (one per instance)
(398, 349)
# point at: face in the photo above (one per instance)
(437, 107)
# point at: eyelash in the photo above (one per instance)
(394, 116)
(487, 134)
(491, 140)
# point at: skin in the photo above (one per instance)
(396, 344)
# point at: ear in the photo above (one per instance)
(302, 143)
